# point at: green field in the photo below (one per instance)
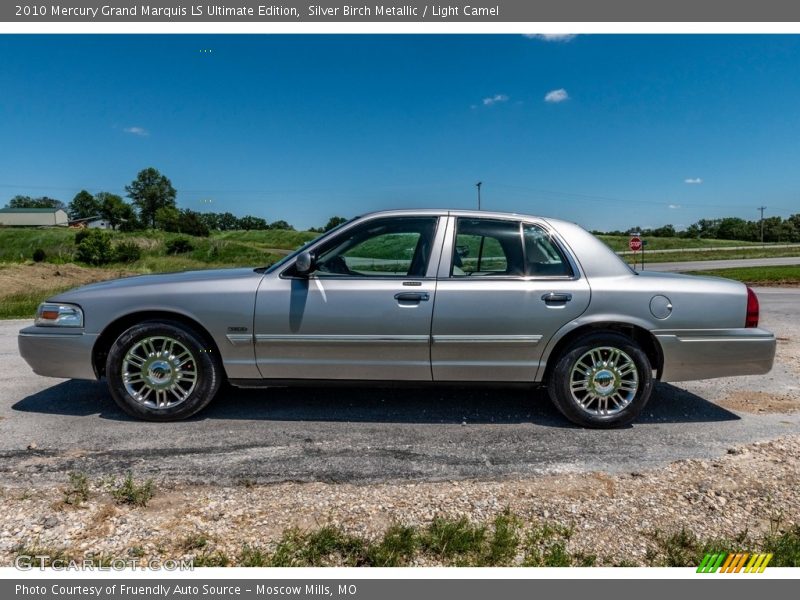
(619, 243)
(221, 249)
(780, 275)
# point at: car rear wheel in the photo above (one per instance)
(602, 380)
(162, 371)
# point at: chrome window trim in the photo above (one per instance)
(430, 271)
(446, 260)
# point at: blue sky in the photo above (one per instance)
(608, 131)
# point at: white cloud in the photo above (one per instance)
(693, 180)
(555, 96)
(495, 99)
(140, 131)
(673, 206)
(551, 37)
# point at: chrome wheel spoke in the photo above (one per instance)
(159, 372)
(604, 381)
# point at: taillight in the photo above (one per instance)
(752, 309)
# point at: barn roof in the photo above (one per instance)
(29, 210)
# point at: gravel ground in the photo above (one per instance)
(614, 517)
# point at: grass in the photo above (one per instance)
(619, 243)
(779, 275)
(754, 252)
(24, 305)
(446, 541)
(507, 540)
(230, 248)
(130, 492)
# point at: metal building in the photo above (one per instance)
(33, 217)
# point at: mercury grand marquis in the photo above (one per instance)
(408, 296)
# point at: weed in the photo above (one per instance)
(129, 492)
(211, 559)
(194, 541)
(77, 492)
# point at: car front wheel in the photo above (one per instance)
(602, 380)
(162, 371)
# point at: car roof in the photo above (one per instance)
(485, 214)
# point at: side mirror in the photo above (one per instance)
(304, 263)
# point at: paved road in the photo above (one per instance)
(706, 265)
(49, 427)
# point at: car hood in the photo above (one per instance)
(161, 279)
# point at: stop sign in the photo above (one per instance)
(635, 244)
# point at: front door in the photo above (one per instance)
(364, 312)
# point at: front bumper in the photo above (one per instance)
(58, 353)
(705, 354)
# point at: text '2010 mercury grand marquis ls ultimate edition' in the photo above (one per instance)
(409, 296)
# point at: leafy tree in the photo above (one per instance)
(334, 222)
(281, 225)
(149, 192)
(83, 206)
(114, 209)
(249, 222)
(181, 221)
(774, 230)
(168, 218)
(732, 228)
(228, 221)
(665, 231)
(210, 220)
(191, 222)
(28, 202)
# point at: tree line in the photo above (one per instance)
(153, 205)
(771, 229)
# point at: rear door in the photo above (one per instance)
(504, 288)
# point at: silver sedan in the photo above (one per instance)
(423, 296)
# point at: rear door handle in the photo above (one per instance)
(412, 296)
(553, 298)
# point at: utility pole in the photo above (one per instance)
(762, 209)
(478, 185)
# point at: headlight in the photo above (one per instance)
(53, 314)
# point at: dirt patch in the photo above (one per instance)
(43, 277)
(761, 402)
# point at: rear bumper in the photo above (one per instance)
(705, 354)
(53, 353)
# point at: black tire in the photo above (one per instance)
(196, 379)
(584, 406)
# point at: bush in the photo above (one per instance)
(95, 248)
(127, 252)
(179, 246)
(39, 255)
(82, 235)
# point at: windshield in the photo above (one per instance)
(308, 244)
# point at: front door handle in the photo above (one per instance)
(553, 298)
(412, 296)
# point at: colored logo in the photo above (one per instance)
(734, 563)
